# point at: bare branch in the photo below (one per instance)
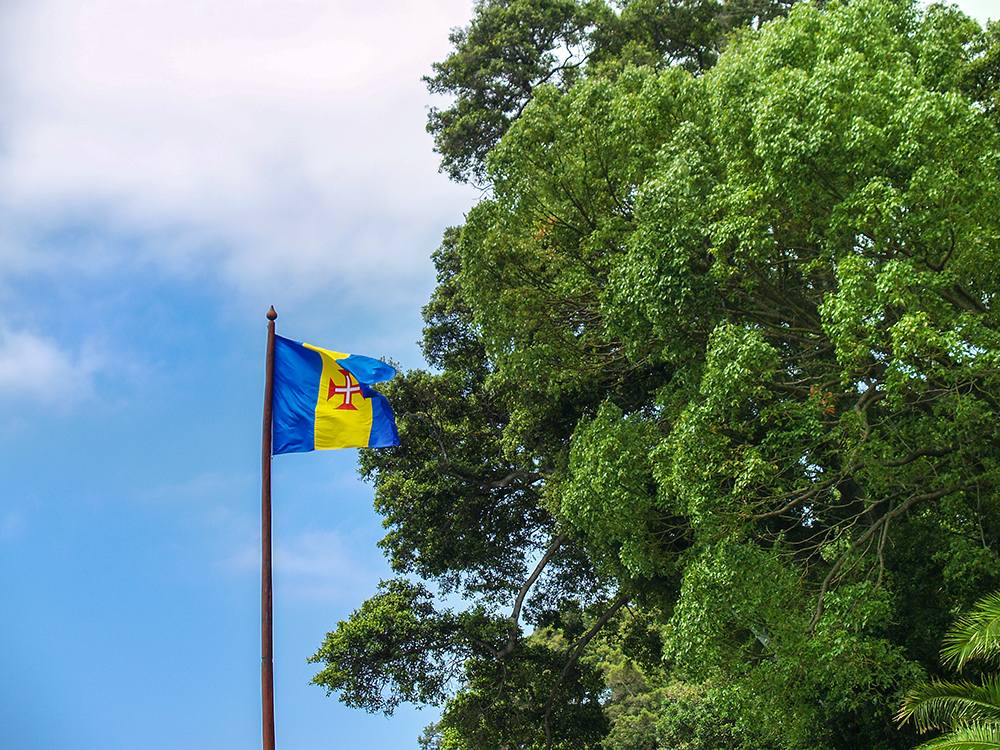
(797, 497)
(868, 398)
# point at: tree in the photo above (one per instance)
(720, 351)
(512, 47)
(969, 712)
(465, 514)
(688, 33)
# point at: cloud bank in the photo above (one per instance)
(270, 141)
(261, 146)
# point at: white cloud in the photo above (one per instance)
(276, 142)
(38, 368)
(320, 566)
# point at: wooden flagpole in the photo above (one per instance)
(266, 636)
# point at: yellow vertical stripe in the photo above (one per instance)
(337, 425)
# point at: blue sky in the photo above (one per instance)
(168, 170)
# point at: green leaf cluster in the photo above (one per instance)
(514, 47)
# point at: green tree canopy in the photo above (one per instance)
(717, 354)
(514, 46)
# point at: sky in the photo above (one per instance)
(169, 169)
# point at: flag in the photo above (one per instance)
(322, 399)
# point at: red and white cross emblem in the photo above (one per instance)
(348, 390)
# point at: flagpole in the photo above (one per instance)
(266, 637)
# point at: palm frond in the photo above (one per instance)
(977, 737)
(942, 705)
(975, 635)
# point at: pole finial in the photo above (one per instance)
(271, 314)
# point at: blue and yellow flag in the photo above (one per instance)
(321, 399)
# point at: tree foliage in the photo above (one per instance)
(512, 47)
(715, 386)
(969, 711)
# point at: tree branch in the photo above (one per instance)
(935, 452)
(515, 614)
(515, 475)
(864, 538)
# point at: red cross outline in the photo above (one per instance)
(347, 390)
